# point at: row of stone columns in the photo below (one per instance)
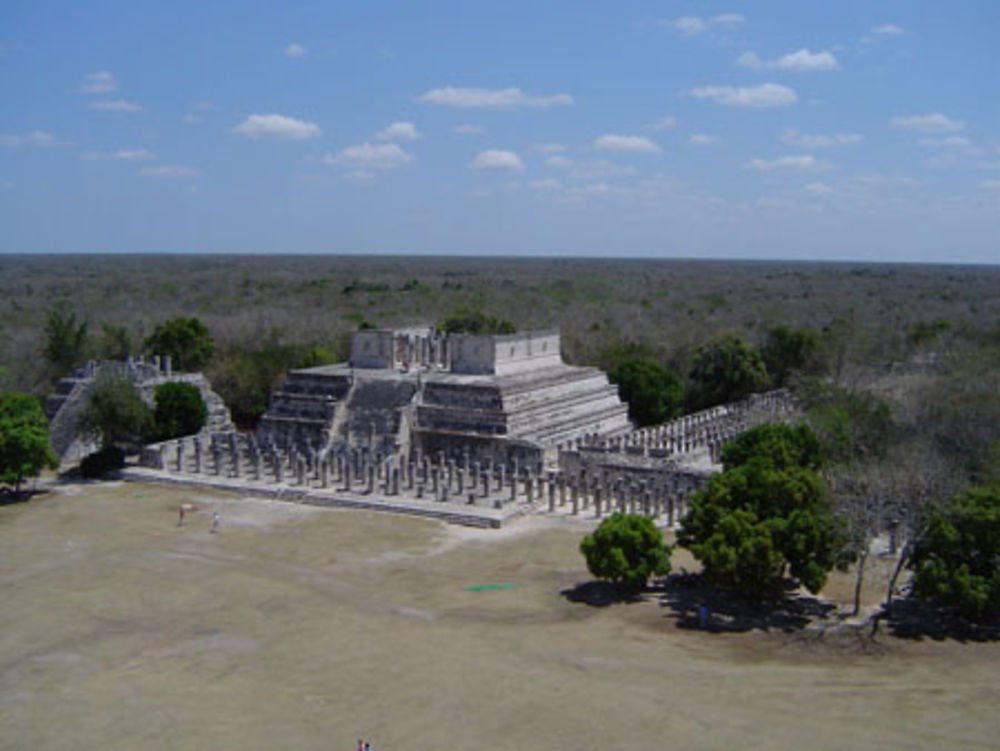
(441, 479)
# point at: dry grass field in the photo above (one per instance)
(304, 628)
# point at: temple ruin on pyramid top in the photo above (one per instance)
(496, 397)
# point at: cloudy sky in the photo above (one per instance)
(765, 129)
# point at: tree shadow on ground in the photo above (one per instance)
(911, 618)
(696, 605)
(601, 594)
(8, 497)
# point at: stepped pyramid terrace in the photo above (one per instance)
(416, 389)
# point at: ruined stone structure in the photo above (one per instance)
(417, 390)
(63, 406)
(471, 429)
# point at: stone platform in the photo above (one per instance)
(464, 514)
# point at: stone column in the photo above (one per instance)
(371, 478)
(197, 456)
(324, 473)
(279, 468)
(597, 502)
(180, 455)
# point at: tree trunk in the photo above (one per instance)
(887, 607)
(859, 578)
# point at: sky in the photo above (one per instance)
(849, 130)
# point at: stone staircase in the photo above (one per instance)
(304, 410)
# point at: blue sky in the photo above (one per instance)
(791, 130)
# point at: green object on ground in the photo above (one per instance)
(481, 587)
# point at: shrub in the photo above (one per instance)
(179, 411)
(626, 549)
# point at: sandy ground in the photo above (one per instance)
(305, 628)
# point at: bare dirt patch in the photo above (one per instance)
(305, 628)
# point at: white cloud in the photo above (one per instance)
(399, 131)
(689, 25)
(548, 148)
(455, 96)
(122, 155)
(368, 156)
(192, 119)
(597, 169)
(693, 25)
(295, 50)
(631, 144)
(116, 105)
(889, 29)
(826, 141)
(702, 139)
(98, 83)
(804, 60)
(31, 138)
(546, 184)
(469, 130)
(729, 19)
(819, 189)
(764, 95)
(934, 122)
(665, 123)
(801, 60)
(278, 127)
(750, 60)
(170, 171)
(798, 162)
(497, 159)
(947, 142)
(990, 185)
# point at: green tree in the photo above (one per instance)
(187, 341)
(65, 339)
(766, 514)
(244, 377)
(626, 549)
(956, 556)
(115, 342)
(787, 351)
(179, 410)
(470, 321)
(850, 425)
(783, 445)
(113, 412)
(24, 439)
(725, 370)
(653, 394)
